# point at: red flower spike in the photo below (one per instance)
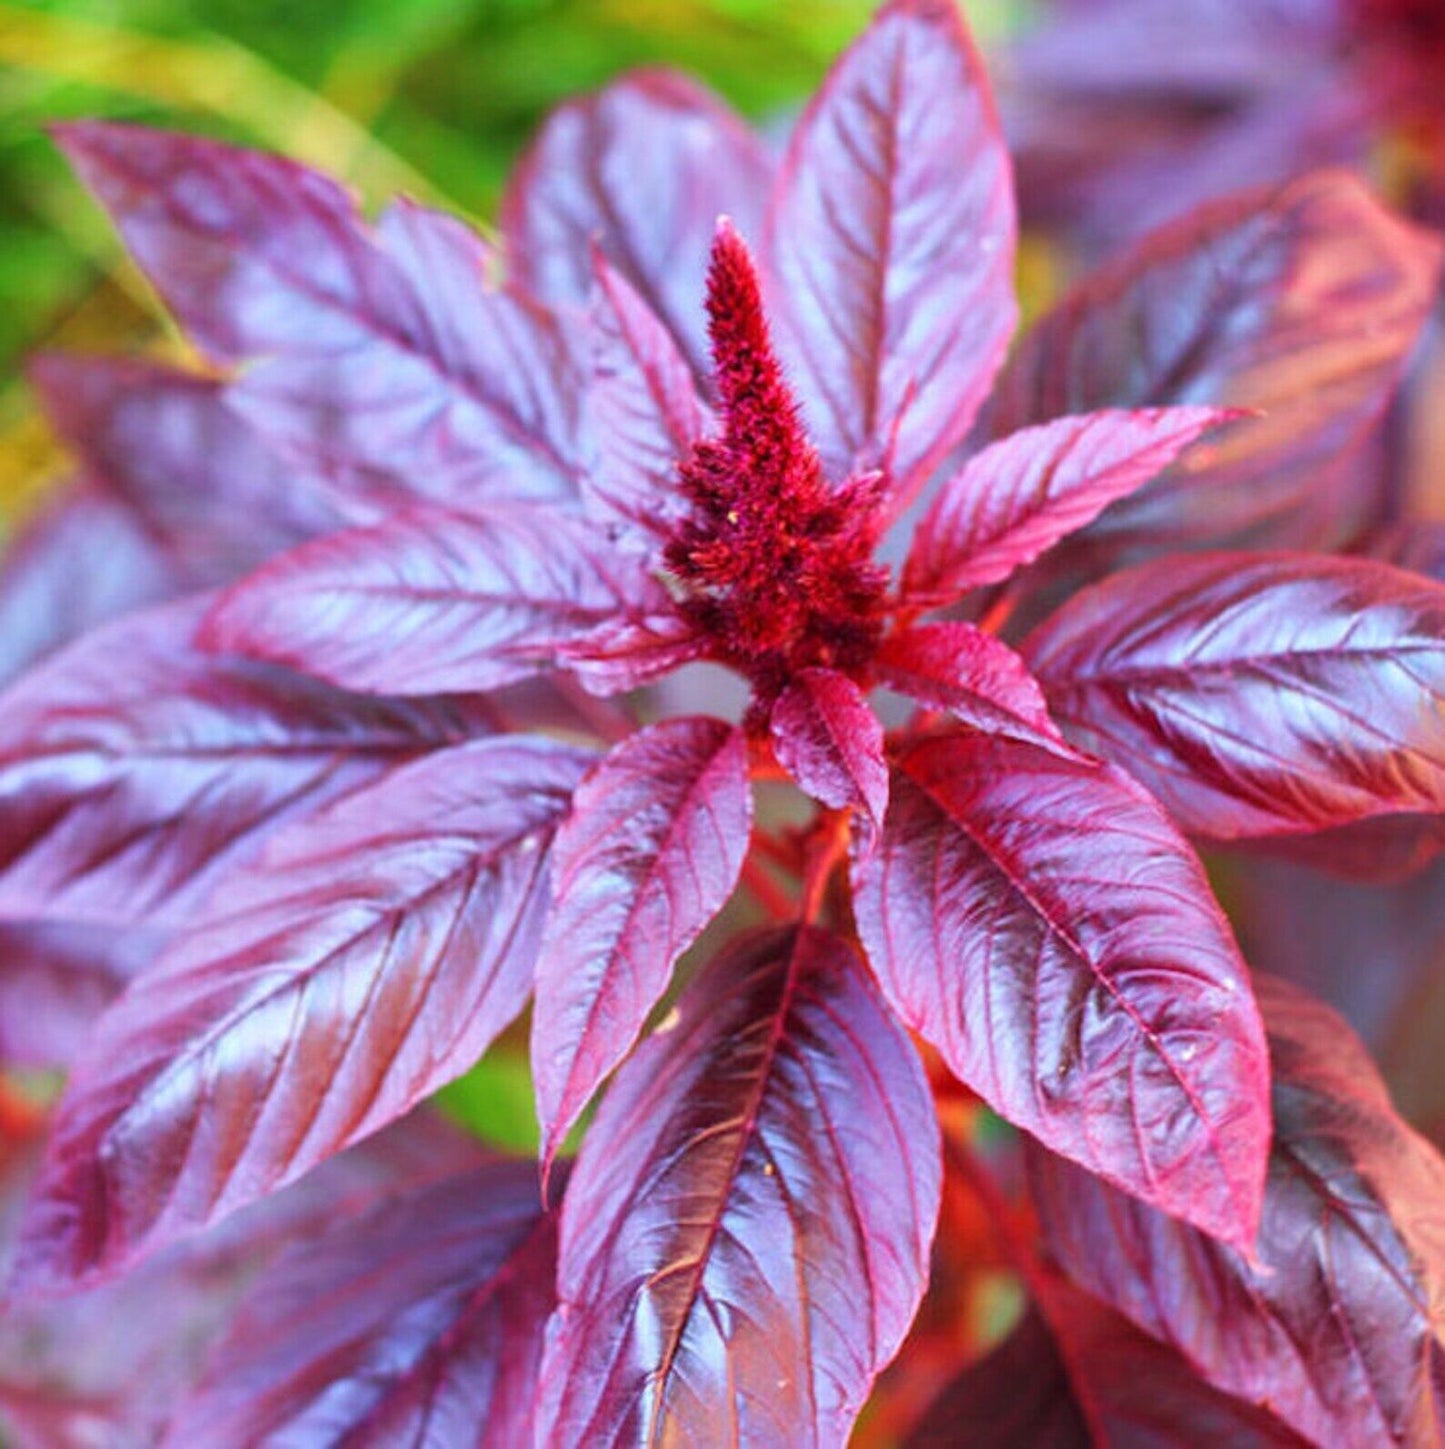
(774, 563)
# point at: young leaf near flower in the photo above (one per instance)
(548, 482)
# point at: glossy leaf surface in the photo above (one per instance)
(441, 1346)
(648, 855)
(1036, 918)
(378, 370)
(432, 600)
(643, 169)
(829, 740)
(891, 236)
(1301, 302)
(136, 771)
(1341, 1326)
(369, 957)
(745, 1236)
(1022, 494)
(1256, 694)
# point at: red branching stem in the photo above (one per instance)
(827, 847)
(767, 892)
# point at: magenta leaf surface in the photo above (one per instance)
(83, 559)
(643, 169)
(377, 369)
(196, 475)
(828, 739)
(745, 1237)
(650, 852)
(1022, 494)
(431, 600)
(975, 677)
(369, 957)
(644, 407)
(1302, 302)
(1257, 694)
(891, 239)
(1341, 1326)
(1036, 917)
(419, 1323)
(136, 771)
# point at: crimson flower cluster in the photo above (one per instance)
(390, 753)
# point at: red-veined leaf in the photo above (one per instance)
(82, 560)
(644, 406)
(58, 977)
(431, 600)
(135, 770)
(828, 739)
(891, 241)
(745, 1236)
(369, 957)
(1036, 917)
(369, 363)
(1257, 694)
(1301, 303)
(1022, 494)
(1340, 1328)
(649, 854)
(643, 169)
(977, 678)
(419, 1323)
(199, 479)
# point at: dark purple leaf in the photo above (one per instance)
(369, 957)
(1053, 1379)
(420, 1323)
(645, 410)
(959, 668)
(1340, 1327)
(891, 238)
(643, 169)
(647, 857)
(828, 739)
(1021, 495)
(1036, 917)
(376, 368)
(58, 977)
(745, 1237)
(1301, 302)
(1258, 694)
(84, 559)
(136, 771)
(431, 600)
(107, 1366)
(196, 475)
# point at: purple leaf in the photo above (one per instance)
(84, 559)
(369, 957)
(420, 1323)
(135, 771)
(377, 369)
(643, 169)
(58, 977)
(1051, 1382)
(431, 600)
(647, 857)
(1021, 495)
(1037, 919)
(645, 410)
(1301, 302)
(1341, 1326)
(959, 668)
(196, 475)
(1256, 694)
(828, 739)
(745, 1237)
(891, 238)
